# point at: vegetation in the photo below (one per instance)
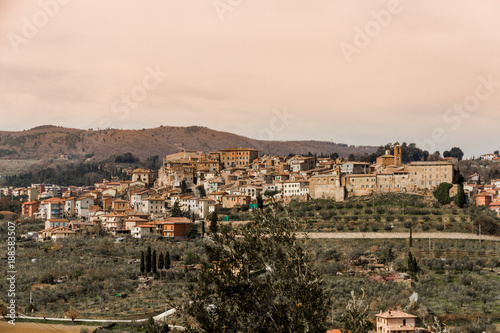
(355, 318)
(84, 174)
(442, 194)
(258, 278)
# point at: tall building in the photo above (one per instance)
(238, 157)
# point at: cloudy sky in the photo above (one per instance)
(357, 72)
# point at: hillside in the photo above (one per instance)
(50, 142)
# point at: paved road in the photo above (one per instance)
(158, 317)
(400, 235)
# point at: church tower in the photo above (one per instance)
(397, 155)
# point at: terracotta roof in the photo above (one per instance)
(30, 203)
(395, 314)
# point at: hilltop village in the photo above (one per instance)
(202, 183)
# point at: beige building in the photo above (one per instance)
(236, 157)
(143, 175)
(360, 184)
(395, 322)
(428, 175)
(327, 186)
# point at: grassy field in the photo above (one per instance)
(459, 280)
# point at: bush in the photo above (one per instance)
(47, 277)
(442, 194)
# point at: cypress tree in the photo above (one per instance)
(161, 261)
(176, 210)
(142, 263)
(260, 201)
(202, 228)
(213, 223)
(459, 199)
(167, 260)
(153, 262)
(148, 260)
(411, 235)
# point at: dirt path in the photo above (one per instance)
(401, 235)
(41, 328)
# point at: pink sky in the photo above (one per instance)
(234, 67)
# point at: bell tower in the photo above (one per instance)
(397, 155)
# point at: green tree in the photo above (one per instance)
(354, 319)
(203, 228)
(201, 191)
(213, 223)
(258, 279)
(442, 194)
(148, 260)
(193, 231)
(260, 201)
(167, 260)
(411, 235)
(143, 269)
(412, 263)
(161, 261)
(183, 187)
(458, 178)
(459, 199)
(154, 267)
(454, 152)
(176, 210)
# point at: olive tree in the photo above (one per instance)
(258, 278)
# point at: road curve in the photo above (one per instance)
(158, 317)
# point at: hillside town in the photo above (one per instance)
(202, 183)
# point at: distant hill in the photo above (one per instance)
(50, 142)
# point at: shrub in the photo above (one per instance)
(368, 211)
(47, 277)
(442, 194)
